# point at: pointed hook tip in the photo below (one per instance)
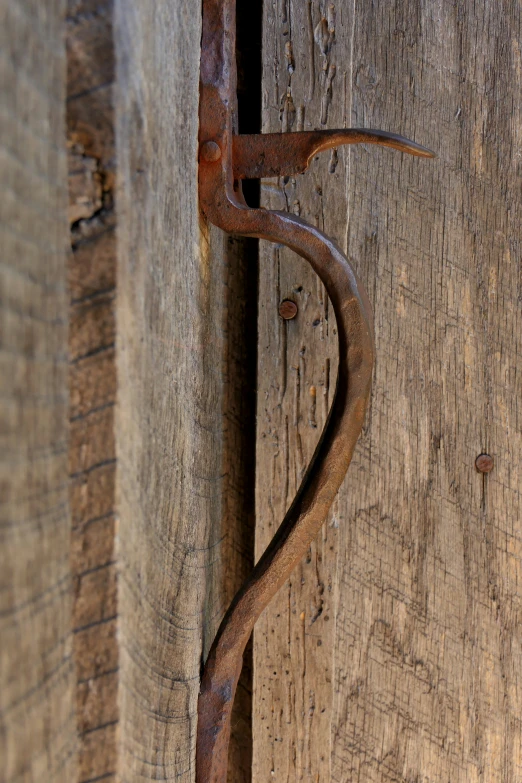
(420, 151)
(409, 146)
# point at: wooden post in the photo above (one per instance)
(401, 662)
(171, 438)
(37, 679)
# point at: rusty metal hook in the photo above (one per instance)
(225, 159)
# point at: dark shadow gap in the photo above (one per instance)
(249, 74)
(243, 284)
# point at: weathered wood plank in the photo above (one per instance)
(171, 393)
(37, 705)
(427, 653)
(294, 639)
(92, 277)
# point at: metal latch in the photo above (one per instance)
(226, 158)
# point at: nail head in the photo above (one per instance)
(484, 463)
(287, 309)
(210, 151)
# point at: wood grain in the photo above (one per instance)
(92, 333)
(234, 558)
(171, 394)
(294, 640)
(37, 726)
(426, 597)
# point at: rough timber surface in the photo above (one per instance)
(168, 435)
(395, 652)
(37, 678)
(92, 466)
(182, 498)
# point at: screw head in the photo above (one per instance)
(210, 151)
(484, 463)
(287, 309)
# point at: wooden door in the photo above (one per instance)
(394, 652)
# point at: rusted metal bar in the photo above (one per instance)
(226, 159)
(284, 154)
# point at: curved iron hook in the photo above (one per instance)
(318, 488)
(225, 159)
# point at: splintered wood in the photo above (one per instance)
(395, 650)
(92, 464)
